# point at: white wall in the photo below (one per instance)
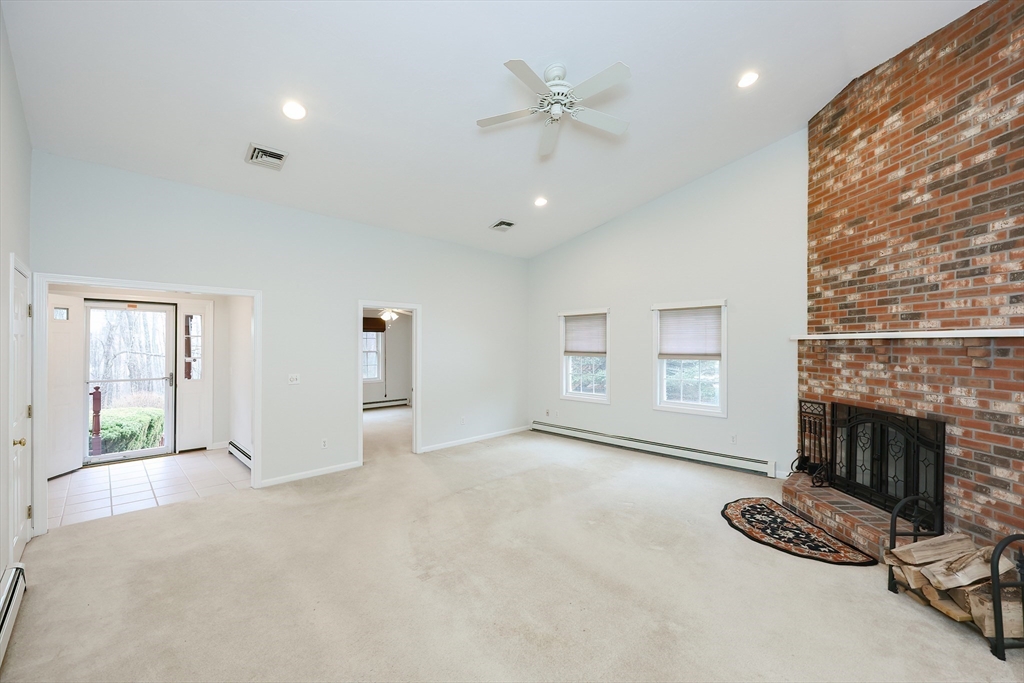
(239, 348)
(15, 177)
(737, 234)
(397, 363)
(98, 221)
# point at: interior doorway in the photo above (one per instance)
(145, 393)
(388, 378)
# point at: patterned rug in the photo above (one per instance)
(765, 521)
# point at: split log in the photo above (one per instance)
(915, 577)
(900, 577)
(959, 596)
(932, 550)
(933, 594)
(964, 569)
(891, 559)
(951, 609)
(983, 611)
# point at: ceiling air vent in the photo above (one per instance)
(265, 156)
(502, 226)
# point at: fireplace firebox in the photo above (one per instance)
(882, 458)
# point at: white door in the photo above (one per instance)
(130, 385)
(65, 369)
(195, 375)
(20, 393)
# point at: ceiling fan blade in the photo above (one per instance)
(491, 120)
(613, 75)
(527, 75)
(597, 119)
(402, 311)
(549, 137)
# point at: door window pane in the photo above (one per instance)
(193, 347)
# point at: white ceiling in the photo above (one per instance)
(179, 89)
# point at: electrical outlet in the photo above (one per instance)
(547, 413)
(293, 378)
(556, 413)
(323, 443)
(462, 421)
(732, 439)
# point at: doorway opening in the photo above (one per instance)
(146, 395)
(129, 378)
(388, 377)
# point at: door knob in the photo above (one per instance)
(20, 442)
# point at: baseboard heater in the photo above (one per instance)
(670, 450)
(13, 589)
(240, 453)
(387, 403)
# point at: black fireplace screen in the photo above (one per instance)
(882, 457)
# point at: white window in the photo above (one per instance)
(585, 356)
(373, 356)
(690, 357)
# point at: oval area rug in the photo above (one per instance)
(765, 521)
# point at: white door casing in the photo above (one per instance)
(67, 437)
(195, 389)
(20, 459)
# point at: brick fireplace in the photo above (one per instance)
(916, 265)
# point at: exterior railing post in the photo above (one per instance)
(96, 442)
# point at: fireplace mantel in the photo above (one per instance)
(915, 334)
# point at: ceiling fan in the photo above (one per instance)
(390, 314)
(558, 100)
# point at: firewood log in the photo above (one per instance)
(932, 550)
(964, 569)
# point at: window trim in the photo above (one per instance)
(380, 357)
(692, 408)
(567, 395)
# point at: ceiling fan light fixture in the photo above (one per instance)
(540, 201)
(294, 110)
(748, 79)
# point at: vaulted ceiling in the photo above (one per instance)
(178, 90)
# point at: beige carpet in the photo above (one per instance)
(528, 557)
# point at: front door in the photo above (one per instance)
(20, 433)
(130, 383)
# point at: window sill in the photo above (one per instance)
(373, 381)
(585, 398)
(692, 410)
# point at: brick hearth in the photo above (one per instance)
(859, 524)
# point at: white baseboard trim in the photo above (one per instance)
(311, 473)
(217, 446)
(370, 405)
(671, 450)
(473, 439)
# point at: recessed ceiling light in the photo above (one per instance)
(540, 201)
(747, 79)
(294, 110)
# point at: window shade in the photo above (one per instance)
(690, 333)
(586, 335)
(374, 325)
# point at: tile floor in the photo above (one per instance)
(102, 491)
